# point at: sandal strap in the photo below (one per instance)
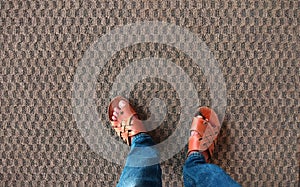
(130, 128)
(195, 145)
(198, 128)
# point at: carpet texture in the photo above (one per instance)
(256, 45)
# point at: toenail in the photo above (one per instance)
(122, 104)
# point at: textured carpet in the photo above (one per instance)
(256, 45)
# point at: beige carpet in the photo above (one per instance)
(256, 45)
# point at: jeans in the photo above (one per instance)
(142, 168)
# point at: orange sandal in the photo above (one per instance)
(125, 126)
(207, 124)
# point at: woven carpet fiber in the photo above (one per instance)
(255, 44)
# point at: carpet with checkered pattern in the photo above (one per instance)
(256, 45)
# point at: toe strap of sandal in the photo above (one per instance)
(199, 125)
(129, 128)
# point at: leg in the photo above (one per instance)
(139, 169)
(196, 172)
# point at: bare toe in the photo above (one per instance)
(115, 114)
(117, 109)
(122, 104)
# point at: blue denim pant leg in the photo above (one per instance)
(196, 172)
(142, 165)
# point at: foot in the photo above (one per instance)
(197, 135)
(116, 113)
(124, 119)
(117, 110)
(204, 132)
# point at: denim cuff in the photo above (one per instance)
(139, 137)
(196, 155)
